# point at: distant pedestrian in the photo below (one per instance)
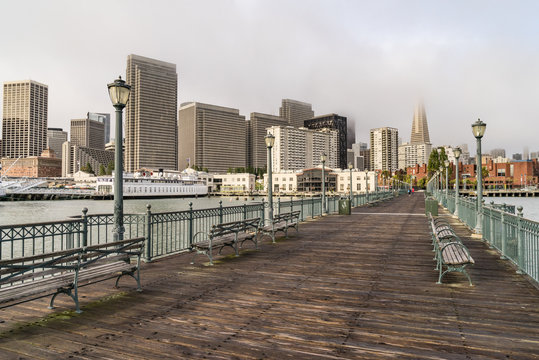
(413, 191)
(409, 192)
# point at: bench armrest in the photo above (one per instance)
(200, 233)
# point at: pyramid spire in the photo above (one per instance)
(420, 129)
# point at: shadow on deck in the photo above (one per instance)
(359, 286)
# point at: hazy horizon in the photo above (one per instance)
(370, 62)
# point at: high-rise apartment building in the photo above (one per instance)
(384, 148)
(87, 133)
(212, 137)
(296, 112)
(301, 148)
(151, 127)
(103, 118)
(420, 129)
(55, 138)
(333, 122)
(257, 125)
(24, 119)
(413, 154)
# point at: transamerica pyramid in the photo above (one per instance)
(420, 129)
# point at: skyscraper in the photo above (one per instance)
(105, 119)
(151, 127)
(334, 122)
(87, 133)
(257, 131)
(211, 136)
(24, 120)
(55, 138)
(384, 149)
(296, 112)
(420, 129)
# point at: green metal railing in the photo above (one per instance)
(513, 236)
(166, 232)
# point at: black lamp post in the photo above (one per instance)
(119, 95)
(270, 140)
(323, 158)
(478, 129)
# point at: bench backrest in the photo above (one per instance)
(234, 227)
(289, 216)
(37, 267)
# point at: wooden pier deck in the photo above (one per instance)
(345, 287)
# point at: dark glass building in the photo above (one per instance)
(334, 122)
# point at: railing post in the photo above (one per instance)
(221, 211)
(302, 213)
(244, 211)
(190, 224)
(312, 207)
(279, 204)
(491, 224)
(263, 211)
(84, 228)
(520, 246)
(148, 244)
(504, 237)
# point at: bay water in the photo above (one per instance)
(25, 212)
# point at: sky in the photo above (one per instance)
(371, 61)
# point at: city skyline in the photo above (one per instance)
(456, 57)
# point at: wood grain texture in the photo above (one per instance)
(344, 287)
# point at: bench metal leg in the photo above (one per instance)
(67, 291)
(130, 273)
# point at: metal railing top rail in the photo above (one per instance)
(45, 223)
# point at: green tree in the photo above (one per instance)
(102, 170)
(88, 168)
(110, 167)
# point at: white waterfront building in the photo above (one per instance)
(287, 182)
(361, 181)
(242, 182)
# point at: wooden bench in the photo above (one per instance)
(64, 272)
(450, 253)
(232, 234)
(281, 222)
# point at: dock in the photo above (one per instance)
(361, 286)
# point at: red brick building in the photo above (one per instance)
(500, 175)
(46, 165)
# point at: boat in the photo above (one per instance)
(149, 184)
